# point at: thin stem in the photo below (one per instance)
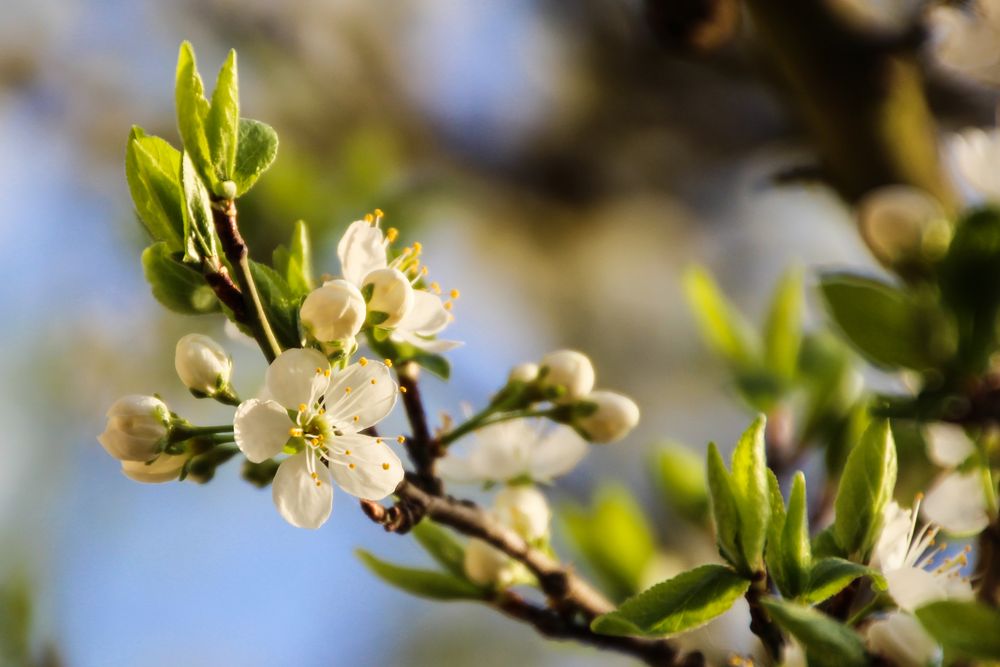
(483, 419)
(179, 433)
(250, 293)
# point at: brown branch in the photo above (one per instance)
(421, 447)
(988, 565)
(760, 621)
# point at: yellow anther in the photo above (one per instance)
(385, 466)
(322, 411)
(436, 287)
(402, 390)
(351, 466)
(919, 496)
(319, 371)
(295, 432)
(347, 452)
(388, 362)
(378, 441)
(447, 305)
(378, 213)
(302, 407)
(363, 361)
(392, 234)
(373, 380)
(424, 270)
(407, 250)
(369, 218)
(454, 294)
(315, 475)
(417, 246)
(319, 483)
(327, 372)
(357, 418)
(347, 390)
(400, 439)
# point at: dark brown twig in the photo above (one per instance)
(421, 447)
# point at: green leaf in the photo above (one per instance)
(725, 511)
(885, 324)
(722, 326)
(223, 119)
(680, 474)
(151, 169)
(192, 113)
(615, 537)
(968, 628)
(783, 329)
(796, 554)
(865, 489)
(176, 285)
(773, 550)
(442, 547)
(298, 270)
(199, 229)
(687, 601)
(829, 576)
(257, 148)
(281, 304)
(422, 583)
(750, 487)
(827, 642)
(824, 545)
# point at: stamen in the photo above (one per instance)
(302, 407)
(370, 219)
(357, 418)
(347, 452)
(378, 441)
(363, 361)
(326, 373)
(385, 466)
(388, 362)
(295, 432)
(378, 213)
(400, 439)
(373, 380)
(436, 287)
(402, 390)
(447, 305)
(392, 234)
(454, 294)
(351, 466)
(417, 247)
(347, 390)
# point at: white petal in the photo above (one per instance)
(557, 453)
(371, 470)
(975, 157)
(164, 469)
(948, 445)
(292, 378)
(261, 429)
(427, 316)
(525, 509)
(371, 397)
(900, 638)
(301, 500)
(458, 469)
(957, 503)
(893, 542)
(503, 451)
(912, 587)
(361, 250)
(431, 345)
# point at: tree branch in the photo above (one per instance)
(421, 447)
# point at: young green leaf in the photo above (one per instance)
(750, 487)
(824, 545)
(223, 119)
(774, 550)
(294, 262)
(192, 113)
(865, 489)
(681, 479)
(725, 511)
(176, 285)
(256, 150)
(687, 601)
(439, 543)
(829, 576)
(827, 642)
(724, 328)
(796, 555)
(884, 323)
(281, 304)
(199, 229)
(968, 628)
(783, 329)
(151, 169)
(422, 583)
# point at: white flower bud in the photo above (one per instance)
(392, 294)
(903, 224)
(487, 566)
(333, 312)
(165, 468)
(136, 424)
(202, 364)
(571, 370)
(526, 372)
(616, 415)
(525, 509)
(900, 638)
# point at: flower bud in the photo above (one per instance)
(903, 225)
(391, 294)
(202, 364)
(615, 416)
(899, 637)
(526, 372)
(571, 370)
(136, 425)
(525, 509)
(333, 312)
(165, 468)
(486, 565)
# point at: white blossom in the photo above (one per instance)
(947, 444)
(526, 372)
(333, 312)
(202, 364)
(487, 566)
(329, 410)
(136, 425)
(615, 417)
(900, 638)
(391, 294)
(957, 503)
(570, 370)
(165, 468)
(724, 637)
(516, 449)
(914, 567)
(525, 509)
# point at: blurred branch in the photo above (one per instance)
(860, 93)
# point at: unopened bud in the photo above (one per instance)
(333, 312)
(391, 294)
(135, 427)
(526, 372)
(202, 365)
(570, 370)
(613, 418)
(165, 468)
(486, 565)
(525, 509)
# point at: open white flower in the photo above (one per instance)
(516, 449)
(914, 568)
(525, 510)
(415, 318)
(900, 638)
(957, 500)
(320, 416)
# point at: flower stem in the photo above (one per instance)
(179, 433)
(486, 418)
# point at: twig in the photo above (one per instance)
(760, 621)
(989, 564)
(421, 447)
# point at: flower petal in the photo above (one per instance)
(900, 638)
(957, 503)
(301, 500)
(260, 429)
(364, 466)
(431, 345)
(292, 378)
(503, 451)
(912, 587)
(557, 452)
(427, 316)
(947, 444)
(360, 396)
(164, 469)
(361, 250)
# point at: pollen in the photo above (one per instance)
(347, 390)
(448, 305)
(369, 218)
(326, 372)
(302, 407)
(392, 234)
(351, 466)
(400, 439)
(295, 432)
(357, 418)
(454, 294)
(379, 213)
(373, 380)
(436, 287)
(388, 362)
(363, 361)
(402, 390)
(385, 466)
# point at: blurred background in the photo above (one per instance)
(562, 163)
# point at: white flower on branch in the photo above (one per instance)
(202, 364)
(135, 427)
(914, 566)
(334, 312)
(525, 510)
(415, 316)
(900, 638)
(515, 450)
(957, 500)
(569, 370)
(614, 417)
(318, 415)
